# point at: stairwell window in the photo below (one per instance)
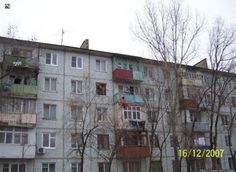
(49, 140)
(49, 111)
(103, 141)
(76, 62)
(76, 86)
(100, 65)
(51, 59)
(101, 114)
(76, 140)
(50, 84)
(76, 113)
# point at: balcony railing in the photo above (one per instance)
(188, 103)
(132, 152)
(192, 82)
(127, 75)
(132, 99)
(198, 126)
(19, 90)
(18, 119)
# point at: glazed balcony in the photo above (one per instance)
(131, 99)
(124, 152)
(18, 119)
(19, 90)
(123, 75)
(198, 126)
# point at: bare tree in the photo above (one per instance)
(171, 33)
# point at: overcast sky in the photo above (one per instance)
(106, 23)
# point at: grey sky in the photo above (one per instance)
(106, 23)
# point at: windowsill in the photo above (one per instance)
(49, 147)
(48, 119)
(52, 65)
(48, 91)
(77, 68)
(103, 149)
(73, 93)
(101, 71)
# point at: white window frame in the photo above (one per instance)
(13, 134)
(50, 84)
(50, 137)
(50, 116)
(11, 164)
(76, 62)
(100, 66)
(48, 164)
(52, 55)
(132, 111)
(78, 84)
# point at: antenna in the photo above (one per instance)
(62, 34)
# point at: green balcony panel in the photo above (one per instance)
(137, 75)
(24, 90)
(132, 99)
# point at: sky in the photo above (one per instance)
(106, 23)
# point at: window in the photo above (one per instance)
(101, 114)
(101, 65)
(50, 84)
(49, 111)
(156, 166)
(225, 119)
(76, 86)
(175, 165)
(207, 99)
(76, 62)
(100, 88)
(13, 136)
(51, 59)
(103, 141)
(149, 93)
(49, 140)
(132, 166)
(172, 141)
(14, 167)
(76, 140)
(145, 71)
(227, 141)
(216, 164)
(48, 167)
(103, 167)
(75, 167)
(76, 113)
(231, 165)
(132, 112)
(192, 92)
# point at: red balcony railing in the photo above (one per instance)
(132, 152)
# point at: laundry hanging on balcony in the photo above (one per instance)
(123, 104)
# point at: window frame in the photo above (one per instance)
(76, 137)
(52, 55)
(75, 165)
(50, 84)
(103, 167)
(48, 166)
(132, 113)
(78, 110)
(50, 138)
(101, 113)
(78, 84)
(100, 66)
(21, 135)
(76, 62)
(101, 91)
(50, 116)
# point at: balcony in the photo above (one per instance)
(12, 151)
(131, 99)
(19, 90)
(198, 126)
(122, 75)
(18, 119)
(189, 104)
(132, 152)
(192, 82)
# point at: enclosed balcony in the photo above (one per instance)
(18, 119)
(129, 98)
(132, 144)
(126, 70)
(198, 126)
(189, 104)
(19, 90)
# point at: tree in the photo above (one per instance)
(171, 33)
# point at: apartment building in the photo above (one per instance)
(57, 100)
